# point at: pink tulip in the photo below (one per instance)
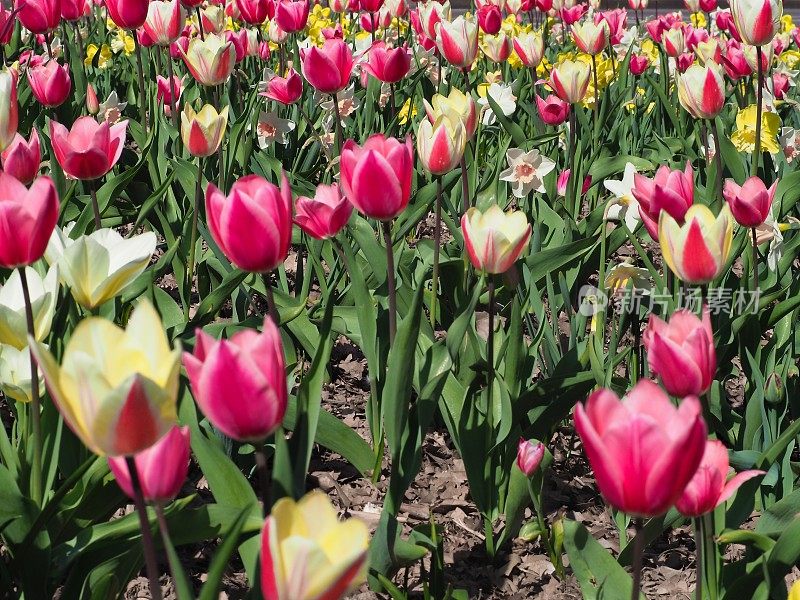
(529, 456)
(253, 12)
(27, 219)
(328, 69)
(50, 83)
(370, 6)
(684, 61)
(386, 64)
(324, 215)
(709, 488)
(735, 62)
(39, 16)
(92, 103)
(73, 10)
(90, 149)
(165, 20)
(780, 84)
(376, 177)
(681, 352)
(672, 191)
(617, 23)
(750, 203)
(128, 14)
(238, 40)
(573, 14)
(286, 90)
(552, 110)
(292, 15)
(167, 95)
(7, 22)
(253, 224)
(21, 159)
(708, 6)
(162, 468)
(638, 64)
(457, 41)
(642, 449)
(490, 18)
(240, 383)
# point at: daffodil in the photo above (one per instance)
(408, 110)
(699, 20)
(621, 275)
(744, 136)
(124, 42)
(104, 58)
(791, 58)
(787, 24)
(623, 206)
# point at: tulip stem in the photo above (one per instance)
(95, 205)
(571, 192)
(717, 157)
(755, 259)
(387, 239)
(437, 240)
(200, 24)
(638, 550)
(338, 124)
(466, 202)
(271, 307)
(596, 90)
(698, 546)
(263, 472)
(759, 102)
(36, 419)
(193, 237)
(140, 75)
(144, 524)
(710, 573)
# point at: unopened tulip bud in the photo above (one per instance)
(529, 456)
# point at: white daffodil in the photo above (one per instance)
(97, 267)
(623, 206)
(504, 98)
(272, 129)
(13, 323)
(15, 373)
(111, 109)
(526, 171)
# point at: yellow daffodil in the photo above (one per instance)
(103, 60)
(124, 42)
(699, 20)
(787, 24)
(791, 58)
(744, 136)
(403, 115)
(650, 50)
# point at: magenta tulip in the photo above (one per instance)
(328, 69)
(376, 177)
(39, 16)
(672, 191)
(751, 203)
(74, 10)
(128, 14)
(253, 12)
(253, 224)
(240, 383)
(643, 450)
(162, 468)
(291, 15)
(50, 83)
(168, 94)
(21, 159)
(681, 352)
(286, 90)
(27, 219)
(552, 110)
(90, 149)
(709, 488)
(387, 64)
(529, 456)
(324, 215)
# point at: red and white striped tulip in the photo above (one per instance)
(701, 91)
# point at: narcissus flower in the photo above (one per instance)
(744, 135)
(457, 41)
(210, 61)
(308, 554)
(27, 218)
(440, 146)
(570, 79)
(202, 132)
(456, 104)
(13, 324)
(9, 108)
(757, 21)
(681, 352)
(98, 266)
(240, 383)
(697, 250)
(324, 215)
(90, 149)
(22, 158)
(710, 485)
(494, 240)
(529, 456)
(643, 450)
(701, 91)
(752, 202)
(526, 171)
(116, 388)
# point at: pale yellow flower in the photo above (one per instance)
(744, 136)
(105, 55)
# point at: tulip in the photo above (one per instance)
(291, 15)
(591, 37)
(643, 450)
(9, 109)
(681, 352)
(386, 64)
(90, 149)
(431, 14)
(202, 132)
(701, 91)
(616, 20)
(165, 21)
(735, 62)
(253, 224)
(74, 10)
(497, 48)
(709, 488)
(50, 83)
(21, 159)
(673, 41)
(210, 61)
(39, 16)
(708, 6)
(494, 240)
(240, 383)
(638, 64)
(552, 110)
(529, 456)
(253, 12)
(757, 21)
(98, 267)
(441, 145)
(455, 105)
(570, 80)
(27, 217)
(457, 41)
(286, 90)
(92, 103)
(376, 177)
(670, 191)
(15, 373)
(328, 68)
(751, 203)
(333, 560)
(573, 14)
(239, 41)
(698, 250)
(529, 47)
(490, 18)
(116, 389)
(169, 95)
(43, 292)
(324, 215)
(162, 468)
(127, 14)
(683, 62)
(780, 85)
(213, 19)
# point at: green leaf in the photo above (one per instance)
(222, 558)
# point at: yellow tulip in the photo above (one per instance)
(116, 388)
(456, 106)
